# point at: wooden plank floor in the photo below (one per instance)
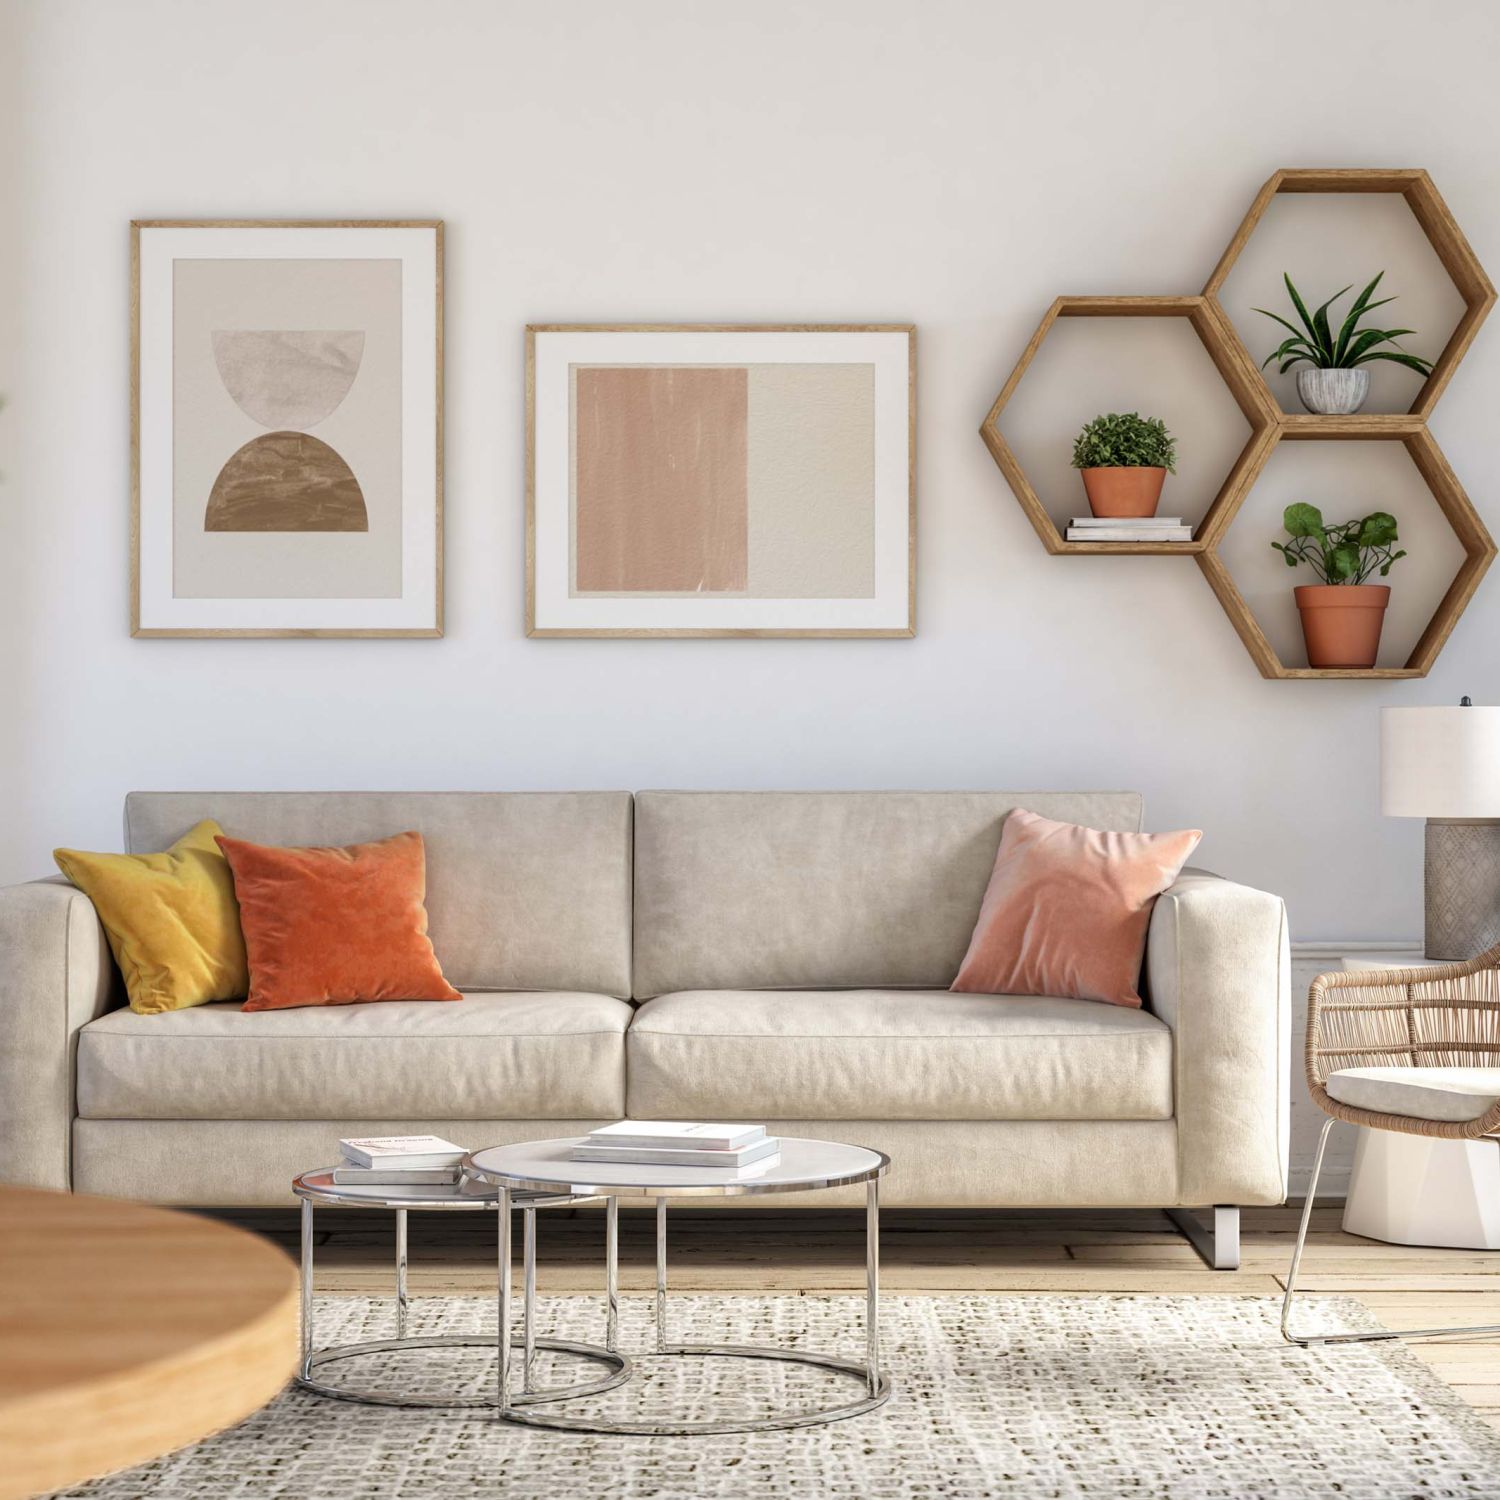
(937, 1252)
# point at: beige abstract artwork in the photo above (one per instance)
(756, 481)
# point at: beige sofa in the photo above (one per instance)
(774, 956)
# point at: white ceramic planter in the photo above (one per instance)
(1333, 393)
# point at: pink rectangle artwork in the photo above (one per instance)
(661, 472)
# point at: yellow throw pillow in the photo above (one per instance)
(172, 920)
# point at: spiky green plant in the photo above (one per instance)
(1315, 343)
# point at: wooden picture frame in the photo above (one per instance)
(288, 534)
(698, 557)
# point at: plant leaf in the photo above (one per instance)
(1302, 519)
(1378, 529)
(1394, 557)
(1321, 329)
(1344, 561)
(1411, 361)
(1301, 307)
(1362, 305)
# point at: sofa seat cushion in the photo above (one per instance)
(543, 1055)
(1452, 1095)
(894, 1054)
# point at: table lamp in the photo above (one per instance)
(1443, 764)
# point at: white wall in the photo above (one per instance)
(955, 164)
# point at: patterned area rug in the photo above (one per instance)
(994, 1396)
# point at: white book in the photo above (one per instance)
(679, 1156)
(669, 1133)
(1182, 534)
(401, 1151)
(349, 1176)
(1108, 521)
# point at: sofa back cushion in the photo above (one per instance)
(525, 890)
(824, 890)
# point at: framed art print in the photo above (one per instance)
(698, 480)
(287, 419)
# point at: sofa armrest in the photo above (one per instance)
(56, 975)
(1218, 972)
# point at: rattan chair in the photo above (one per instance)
(1393, 1020)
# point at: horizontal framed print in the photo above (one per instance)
(287, 428)
(720, 480)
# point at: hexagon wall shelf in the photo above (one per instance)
(1458, 511)
(1229, 359)
(1443, 234)
(1269, 425)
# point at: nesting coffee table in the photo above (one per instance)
(318, 1187)
(531, 1175)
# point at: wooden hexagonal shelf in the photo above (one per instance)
(1479, 552)
(1229, 359)
(1448, 243)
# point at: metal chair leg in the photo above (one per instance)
(1314, 1340)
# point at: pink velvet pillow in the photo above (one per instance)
(1067, 909)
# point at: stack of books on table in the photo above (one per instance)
(1129, 529)
(680, 1143)
(400, 1161)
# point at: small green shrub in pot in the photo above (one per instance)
(1343, 613)
(1125, 459)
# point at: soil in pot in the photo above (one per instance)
(1122, 492)
(1341, 623)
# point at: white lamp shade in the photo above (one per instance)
(1440, 762)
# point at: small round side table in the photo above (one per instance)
(468, 1196)
(548, 1168)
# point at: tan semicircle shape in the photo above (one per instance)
(288, 377)
(286, 481)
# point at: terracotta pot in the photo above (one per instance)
(1123, 492)
(1341, 622)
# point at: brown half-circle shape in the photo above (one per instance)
(286, 481)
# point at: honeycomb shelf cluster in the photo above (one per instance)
(1269, 425)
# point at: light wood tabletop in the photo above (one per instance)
(127, 1331)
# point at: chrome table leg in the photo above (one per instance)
(528, 1255)
(401, 1292)
(612, 1274)
(872, 1283)
(307, 1286)
(661, 1275)
(502, 1308)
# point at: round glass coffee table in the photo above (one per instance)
(548, 1168)
(468, 1196)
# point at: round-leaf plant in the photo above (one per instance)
(1347, 553)
(1125, 440)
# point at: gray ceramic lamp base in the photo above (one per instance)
(1463, 887)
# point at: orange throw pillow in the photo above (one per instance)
(336, 926)
(1067, 909)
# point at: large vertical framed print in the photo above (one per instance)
(720, 480)
(286, 428)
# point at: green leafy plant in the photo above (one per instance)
(1347, 553)
(1315, 343)
(1125, 440)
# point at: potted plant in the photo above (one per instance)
(1125, 459)
(1342, 615)
(1334, 382)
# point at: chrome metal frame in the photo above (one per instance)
(618, 1365)
(521, 1409)
(1315, 1340)
(1219, 1246)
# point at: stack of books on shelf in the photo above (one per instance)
(679, 1143)
(1129, 529)
(426, 1163)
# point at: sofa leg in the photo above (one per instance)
(1220, 1245)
